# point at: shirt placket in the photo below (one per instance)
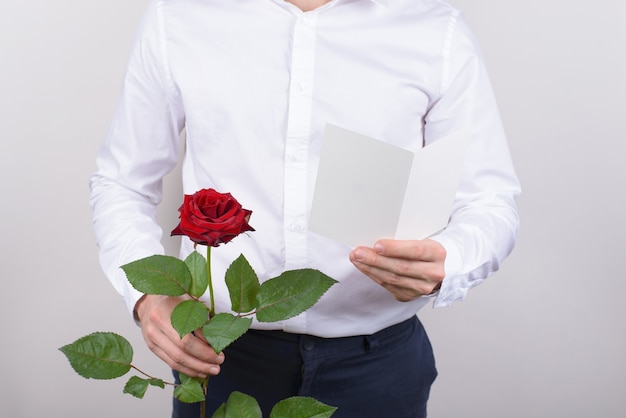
(297, 150)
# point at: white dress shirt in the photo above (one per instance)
(253, 84)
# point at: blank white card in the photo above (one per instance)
(367, 189)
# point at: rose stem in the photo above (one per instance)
(208, 274)
(211, 315)
(205, 385)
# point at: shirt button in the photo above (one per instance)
(294, 157)
(296, 227)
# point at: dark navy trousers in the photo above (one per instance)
(384, 375)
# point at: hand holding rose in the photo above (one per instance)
(191, 355)
(407, 269)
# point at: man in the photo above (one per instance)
(254, 83)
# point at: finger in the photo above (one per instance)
(403, 289)
(193, 345)
(371, 262)
(404, 279)
(179, 366)
(422, 250)
(189, 355)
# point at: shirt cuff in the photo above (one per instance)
(455, 284)
(130, 294)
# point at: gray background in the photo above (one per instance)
(544, 337)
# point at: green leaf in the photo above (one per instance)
(190, 389)
(157, 382)
(220, 412)
(290, 294)
(188, 316)
(196, 264)
(301, 407)
(239, 405)
(101, 355)
(137, 386)
(243, 285)
(223, 329)
(159, 275)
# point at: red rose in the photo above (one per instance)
(211, 218)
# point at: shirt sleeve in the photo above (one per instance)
(484, 222)
(140, 149)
